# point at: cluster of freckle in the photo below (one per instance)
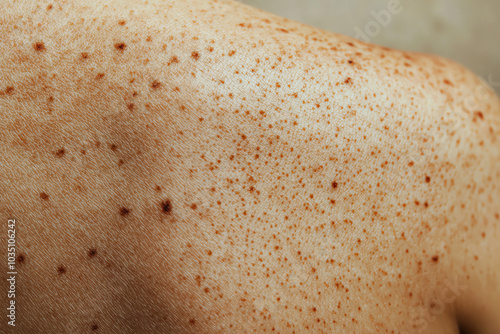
(165, 208)
(61, 269)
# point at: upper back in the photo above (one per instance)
(207, 167)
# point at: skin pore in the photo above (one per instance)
(206, 167)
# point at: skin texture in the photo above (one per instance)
(206, 167)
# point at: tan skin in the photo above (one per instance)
(206, 167)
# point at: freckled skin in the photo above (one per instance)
(206, 167)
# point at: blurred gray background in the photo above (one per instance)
(467, 31)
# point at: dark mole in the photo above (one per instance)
(60, 152)
(158, 188)
(61, 270)
(192, 321)
(94, 327)
(427, 179)
(92, 252)
(85, 55)
(166, 206)
(39, 46)
(335, 184)
(155, 84)
(195, 55)
(426, 204)
(194, 206)
(113, 147)
(21, 258)
(435, 258)
(44, 196)
(120, 46)
(350, 62)
(124, 212)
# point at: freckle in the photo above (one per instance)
(120, 46)
(49, 7)
(94, 327)
(84, 55)
(113, 147)
(194, 206)
(479, 114)
(195, 55)
(61, 270)
(426, 204)
(9, 90)
(448, 82)
(121, 22)
(124, 212)
(39, 46)
(131, 106)
(209, 253)
(427, 179)
(231, 53)
(92, 252)
(335, 184)
(21, 258)
(166, 206)
(435, 258)
(192, 321)
(120, 162)
(411, 163)
(155, 84)
(347, 81)
(417, 202)
(173, 60)
(60, 152)
(44, 196)
(158, 188)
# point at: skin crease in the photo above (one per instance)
(206, 167)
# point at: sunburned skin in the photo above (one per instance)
(206, 167)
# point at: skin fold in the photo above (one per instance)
(207, 167)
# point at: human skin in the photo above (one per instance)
(206, 167)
